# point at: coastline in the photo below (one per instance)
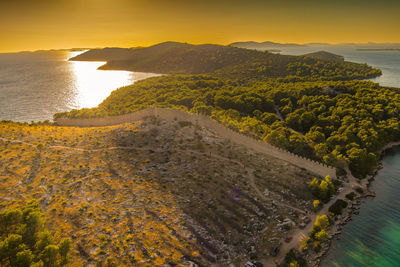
(353, 205)
(352, 209)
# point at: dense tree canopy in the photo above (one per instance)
(227, 61)
(309, 106)
(25, 240)
(331, 121)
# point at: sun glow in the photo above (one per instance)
(92, 86)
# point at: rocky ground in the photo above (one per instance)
(153, 193)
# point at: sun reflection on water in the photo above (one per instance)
(91, 86)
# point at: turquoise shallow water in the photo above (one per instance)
(372, 238)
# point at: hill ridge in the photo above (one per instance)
(205, 121)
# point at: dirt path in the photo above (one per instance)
(299, 234)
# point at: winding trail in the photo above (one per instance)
(299, 234)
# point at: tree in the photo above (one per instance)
(63, 247)
(25, 241)
(24, 258)
(314, 186)
(361, 161)
(9, 248)
(304, 243)
(322, 222)
(321, 235)
(331, 186)
(50, 255)
(324, 189)
(316, 204)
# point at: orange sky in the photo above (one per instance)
(47, 24)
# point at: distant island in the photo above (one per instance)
(379, 49)
(227, 62)
(264, 45)
(269, 46)
(323, 55)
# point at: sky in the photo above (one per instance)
(54, 24)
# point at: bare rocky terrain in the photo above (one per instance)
(153, 193)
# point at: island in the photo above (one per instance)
(233, 155)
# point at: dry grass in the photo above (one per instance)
(150, 193)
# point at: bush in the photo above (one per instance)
(293, 258)
(359, 190)
(338, 206)
(351, 195)
(316, 205)
(322, 189)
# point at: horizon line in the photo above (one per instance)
(197, 43)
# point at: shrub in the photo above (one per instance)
(359, 190)
(338, 206)
(316, 204)
(322, 189)
(351, 195)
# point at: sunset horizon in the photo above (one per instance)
(241, 133)
(315, 43)
(45, 24)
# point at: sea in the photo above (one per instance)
(34, 86)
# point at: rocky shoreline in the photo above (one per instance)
(353, 208)
(314, 259)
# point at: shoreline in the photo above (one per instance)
(352, 208)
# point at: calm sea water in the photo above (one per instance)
(387, 61)
(34, 86)
(372, 238)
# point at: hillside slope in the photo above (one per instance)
(152, 193)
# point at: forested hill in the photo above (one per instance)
(264, 45)
(225, 61)
(330, 121)
(301, 104)
(323, 55)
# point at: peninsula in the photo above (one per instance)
(235, 155)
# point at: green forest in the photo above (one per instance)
(317, 109)
(25, 241)
(229, 62)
